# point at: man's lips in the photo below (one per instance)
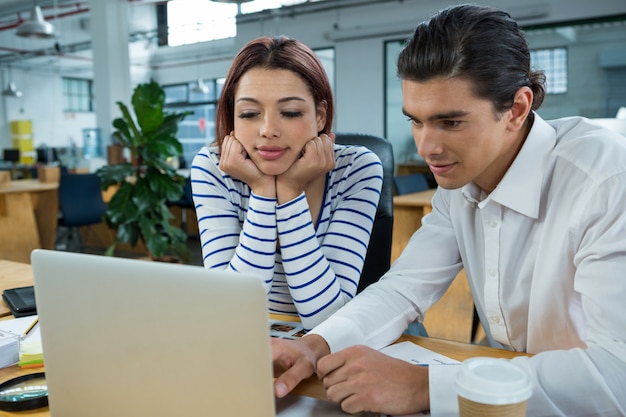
(441, 169)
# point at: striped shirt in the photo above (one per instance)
(309, 269)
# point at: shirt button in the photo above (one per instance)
(492, 272)
(493, 223)
(495, 319)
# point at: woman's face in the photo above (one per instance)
(275, 116)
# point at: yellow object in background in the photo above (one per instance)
(22, 139)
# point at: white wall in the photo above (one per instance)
(359, 73)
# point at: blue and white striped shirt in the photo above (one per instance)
(308, 269)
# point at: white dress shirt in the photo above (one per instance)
(545, 257)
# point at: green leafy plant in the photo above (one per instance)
(139, 208)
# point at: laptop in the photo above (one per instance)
(124, 337)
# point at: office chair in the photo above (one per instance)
(410, 183)
(185, 202)
(80, 204)
(378, 256)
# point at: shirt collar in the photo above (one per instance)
(521, 187)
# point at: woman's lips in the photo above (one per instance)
(270, 153)
(441, 169)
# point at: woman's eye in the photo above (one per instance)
(247, 115)
(292, 114)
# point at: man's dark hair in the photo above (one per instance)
(481, 44)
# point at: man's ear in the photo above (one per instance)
(321, 115)
(522, 105)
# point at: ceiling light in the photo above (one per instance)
(201, 87)
(231, 1)
(11, 90)
(36, 26)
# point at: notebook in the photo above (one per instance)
(125, 337)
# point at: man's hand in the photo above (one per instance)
(295, 361)
(362, 379)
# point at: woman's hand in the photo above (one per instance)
(316, 159)
(234, 161)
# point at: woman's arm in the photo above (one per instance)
(323, 268)
(237, 228)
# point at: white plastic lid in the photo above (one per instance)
(492, 381)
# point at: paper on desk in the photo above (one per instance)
(30, 349)
(417, 355)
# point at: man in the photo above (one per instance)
(533, 210)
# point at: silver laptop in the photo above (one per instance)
(126, 337)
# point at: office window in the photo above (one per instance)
(77, 95)
(193, 21)
(553, 62)
(198, 129)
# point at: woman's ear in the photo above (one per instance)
(321, 115)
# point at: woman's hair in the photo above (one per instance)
(481, 44)
(273, 53)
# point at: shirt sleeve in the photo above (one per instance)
(416, 280)
(229, 242)
(323, 271)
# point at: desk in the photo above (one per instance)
(408, 210)
(13, 273)
(28, 218)
(452, 316)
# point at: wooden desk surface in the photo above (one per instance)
(18, 274)
(419, 199)
(30, 185)
(28, 218)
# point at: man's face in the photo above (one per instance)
(459, 135)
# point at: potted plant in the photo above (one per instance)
(139, 208)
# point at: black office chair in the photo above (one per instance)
(185, 202)
(378, 257)
(410, 183)
(80, 204)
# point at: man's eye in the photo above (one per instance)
(452, 123)
(414, 122)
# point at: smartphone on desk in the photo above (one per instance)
(21, 301)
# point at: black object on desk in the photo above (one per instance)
(21, 301)
(25, 392)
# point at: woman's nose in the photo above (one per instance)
(270, 127)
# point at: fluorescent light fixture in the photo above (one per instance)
(201, 87)
(11, 91)
(398, 29)
(36, 26)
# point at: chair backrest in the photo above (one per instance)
(80, 199)
(378, 257)
(410, 183)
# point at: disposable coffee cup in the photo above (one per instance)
(489, 387)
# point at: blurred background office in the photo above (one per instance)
(65, 63)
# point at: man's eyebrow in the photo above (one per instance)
(453, 114)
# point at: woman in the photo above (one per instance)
(274, 196)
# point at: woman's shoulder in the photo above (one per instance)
(355, 154)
